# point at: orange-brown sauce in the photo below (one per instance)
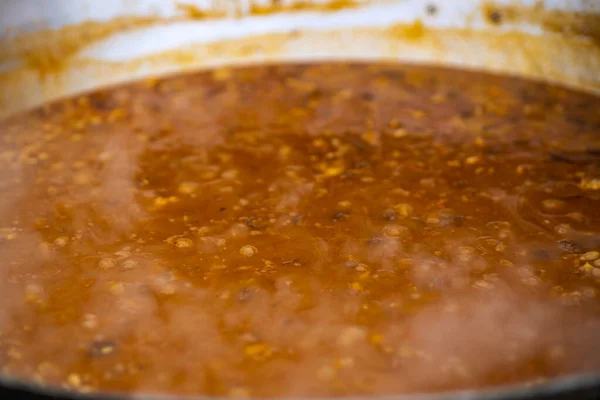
(327, 229)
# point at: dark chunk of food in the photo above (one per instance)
(390, 215)
(102, 348)
(569, 247)
(254, 223)
(340, 216)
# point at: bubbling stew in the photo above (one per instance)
(324, 229)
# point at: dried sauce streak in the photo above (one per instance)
(334, 229)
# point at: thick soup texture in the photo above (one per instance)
(302, 230)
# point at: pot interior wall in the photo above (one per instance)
(66, 47)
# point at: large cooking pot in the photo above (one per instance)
(52, 49)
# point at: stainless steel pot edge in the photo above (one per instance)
(576, 386)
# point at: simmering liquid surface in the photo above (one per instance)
(302, 230)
